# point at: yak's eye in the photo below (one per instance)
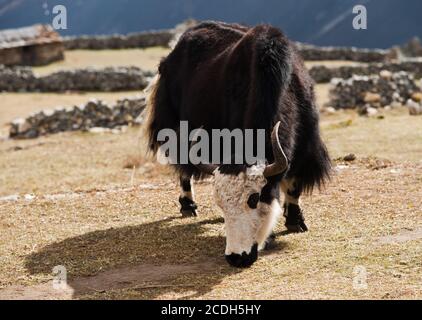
(253, 200)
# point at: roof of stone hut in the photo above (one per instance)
(28, 36)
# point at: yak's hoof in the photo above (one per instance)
(295, 221)
(188, 213)
(270, 243)
(297, 228)
(188, 207)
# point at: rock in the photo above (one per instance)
(314, 53)
(350, 157)
(322, 74)
(160, 38)
(367, 110)
(19, 79)
(29, 197)
(417, 96)
(98, 130)
(373, 91)
(415, 108)
(413, 48)
(95, 116)
(385, 74)
(371, 112)
(370, 97)
(21, 125)
(327, 110)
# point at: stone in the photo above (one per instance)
(22, 79)
(417, 96)
(133, 40)
(323, 74)
(99, 130)
(371, 112)
(371, 91)
(94, 116)
(370, 97)
(385, 74)
(350, 157)
(415, 108)
(314, 53)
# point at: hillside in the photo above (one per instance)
(324, 22)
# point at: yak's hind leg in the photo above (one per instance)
(186, 199)
(295, 221)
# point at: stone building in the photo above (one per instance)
(33, 46)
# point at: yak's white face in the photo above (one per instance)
(248, 222)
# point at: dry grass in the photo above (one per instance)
(146, 59)
(140, 227)
(108, 224)
(397, 136)
(119, 234)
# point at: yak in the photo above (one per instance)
(231, 76)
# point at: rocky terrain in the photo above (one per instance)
(324, 74)
(328, 22)
(376, 91)
(91, 116)
(22, 79)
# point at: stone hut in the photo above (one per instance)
(33, 46)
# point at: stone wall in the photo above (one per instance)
(93, 114)
(412, 49)
(373, 91)
(314, 53)
(322, 74)
(164, 38)
(22, 79)
(133, 40)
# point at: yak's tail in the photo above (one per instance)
(159, 114)
(148, 131)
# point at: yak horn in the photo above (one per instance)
(207, 168)
(280, 160)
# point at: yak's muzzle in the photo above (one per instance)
(243, 260)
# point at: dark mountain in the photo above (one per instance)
(322, 22)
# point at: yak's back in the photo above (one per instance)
(203, 42)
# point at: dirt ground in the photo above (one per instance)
(95, 204)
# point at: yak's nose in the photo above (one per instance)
(243, 260)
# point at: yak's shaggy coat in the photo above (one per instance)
(232, 76)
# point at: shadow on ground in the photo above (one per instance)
(155, 258)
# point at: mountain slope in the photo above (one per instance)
(322, 22)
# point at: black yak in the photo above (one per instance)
(229, 76)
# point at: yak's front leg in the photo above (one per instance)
(186, 198)
(295, 221)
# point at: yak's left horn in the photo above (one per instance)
(280, 160)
